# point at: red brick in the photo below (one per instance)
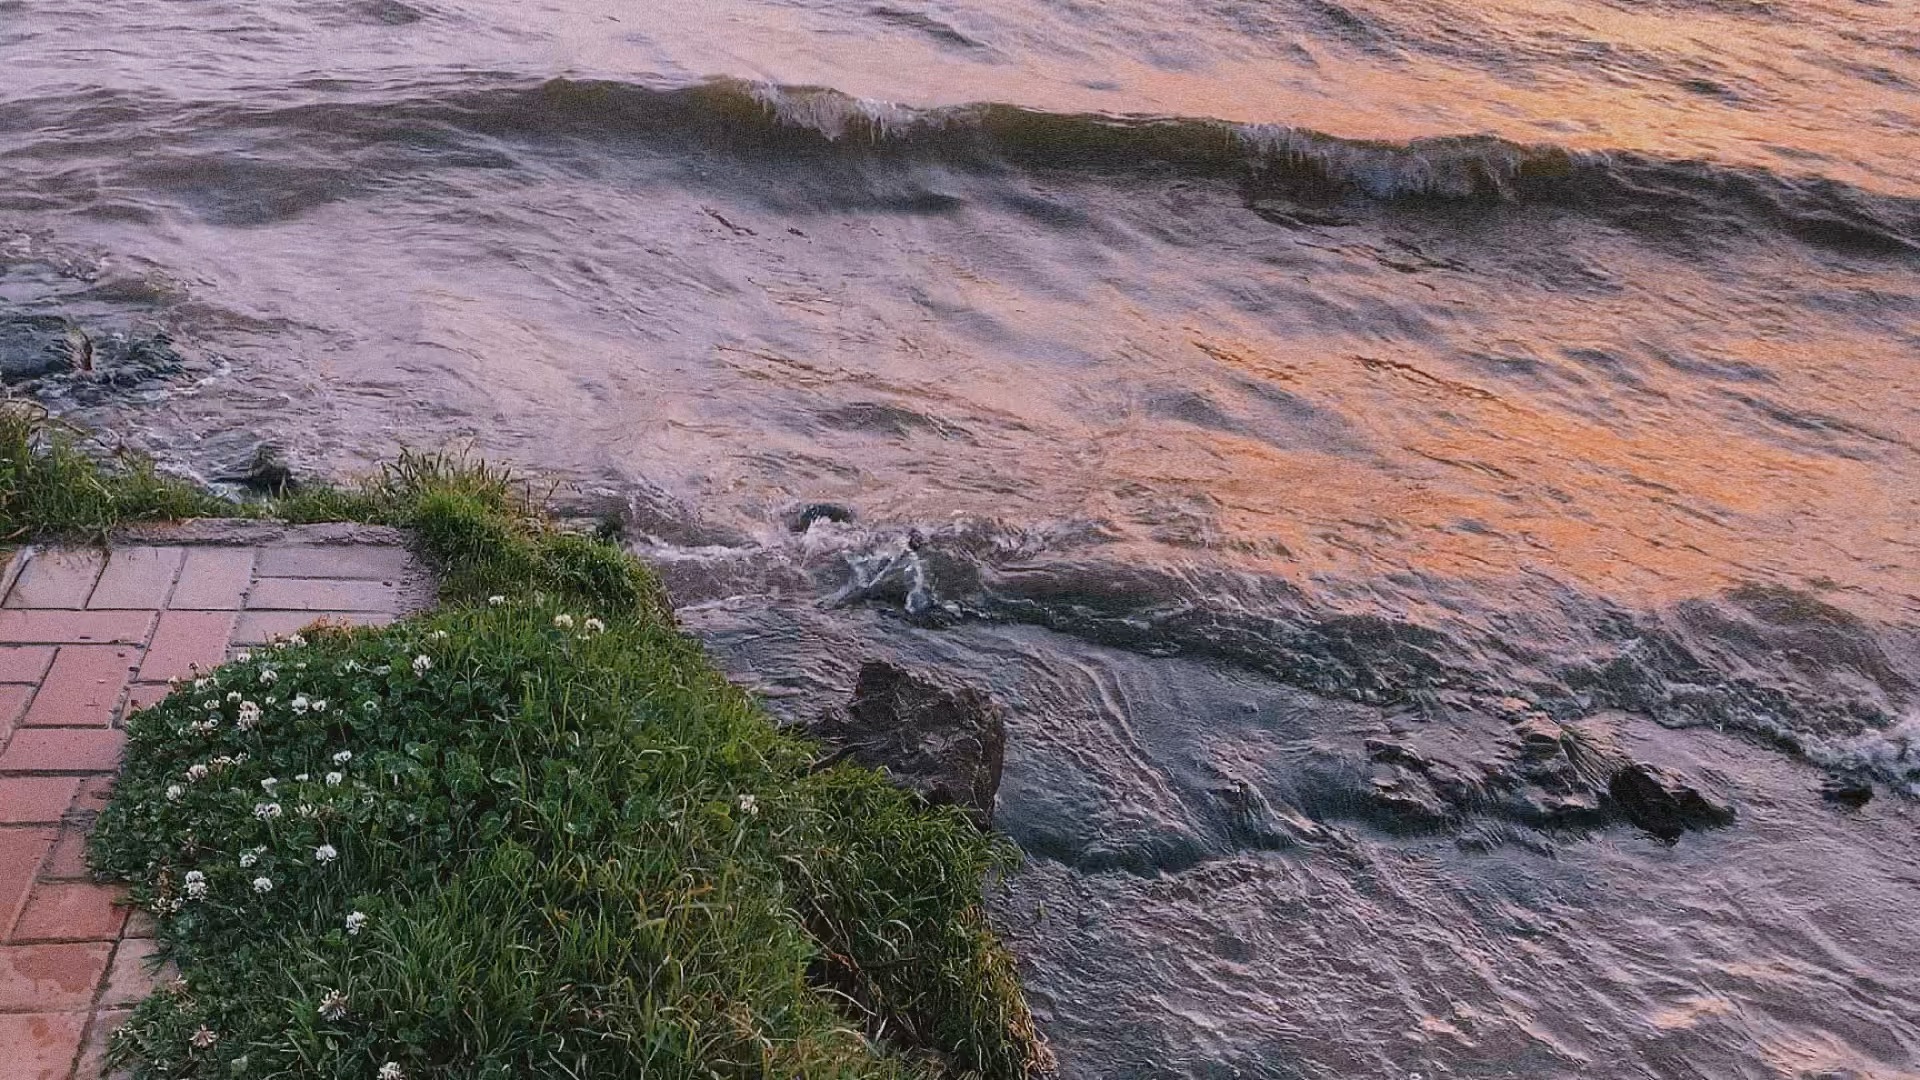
(94, 793)
(71, 911)
(21, 853)
(132, 975)
(13, 703)
(57, 579)
(367, 562)
(259, 627)
(40, 1046)
(137, 577)
(51, 977)
(145, 696)
(140, 924)
(35, 800)
(57, 627)
(68, 750)
(85, 686)
(93, 1052)
(24, 663)
(69, 859)
(184, 640)
(323, 594)
(214, 579)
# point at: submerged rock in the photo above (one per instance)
(945, 741)
(801, 518)
(32, 346)
(1664, 803)
(52, 356)
(1849, 792)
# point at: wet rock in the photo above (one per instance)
(943, 740)
(268, 473)
(1665, 803)
(1539, 736)
(32, 346)
(801, 518)
(1849, 792)
(1404, 801)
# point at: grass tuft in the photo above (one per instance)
(49, 487)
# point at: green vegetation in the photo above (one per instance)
(50, 487)
(534, 834)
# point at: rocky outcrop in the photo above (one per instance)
(32, 346)
(1665, 803)
(944, 740)
(1540, 775)
(51, 355)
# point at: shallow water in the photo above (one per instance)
(1226, 384)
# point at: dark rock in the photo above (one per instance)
(801, 518)
(1404, 801)
(945, 741)
(1664, 803)
(129, 360)
(1850, 792)
(268, 474)
(35, 345)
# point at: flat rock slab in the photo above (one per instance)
(88, 636)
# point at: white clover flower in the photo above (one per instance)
(422, 664)
(595, 626)
(268, 677)
(271, 700)
(240, 758)
(749, 805)
(222, 762)
(356, 921)
(249, 716)
(248, 858)
(563, 621)
(233, 697)
(296, 640)
(320, 705)
(211, 705)
(266, 811)
(300, 704)
(325, 854)
(392, 1071)
(333, 1007)
(307, 810)
(204, 1038)
(438, 635)
(496, 601)
(269, 784)
(211, 723)
(202, 684)
(242, 657)
(196, 885)
(263, 885)
(342, 757)
(174, 791)
(334, 779)
(197, 773)
(301, 778)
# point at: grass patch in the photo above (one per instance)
(49, 487)
(534, 834)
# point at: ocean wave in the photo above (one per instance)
(1654, 196)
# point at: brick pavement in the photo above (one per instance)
(87, 636)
